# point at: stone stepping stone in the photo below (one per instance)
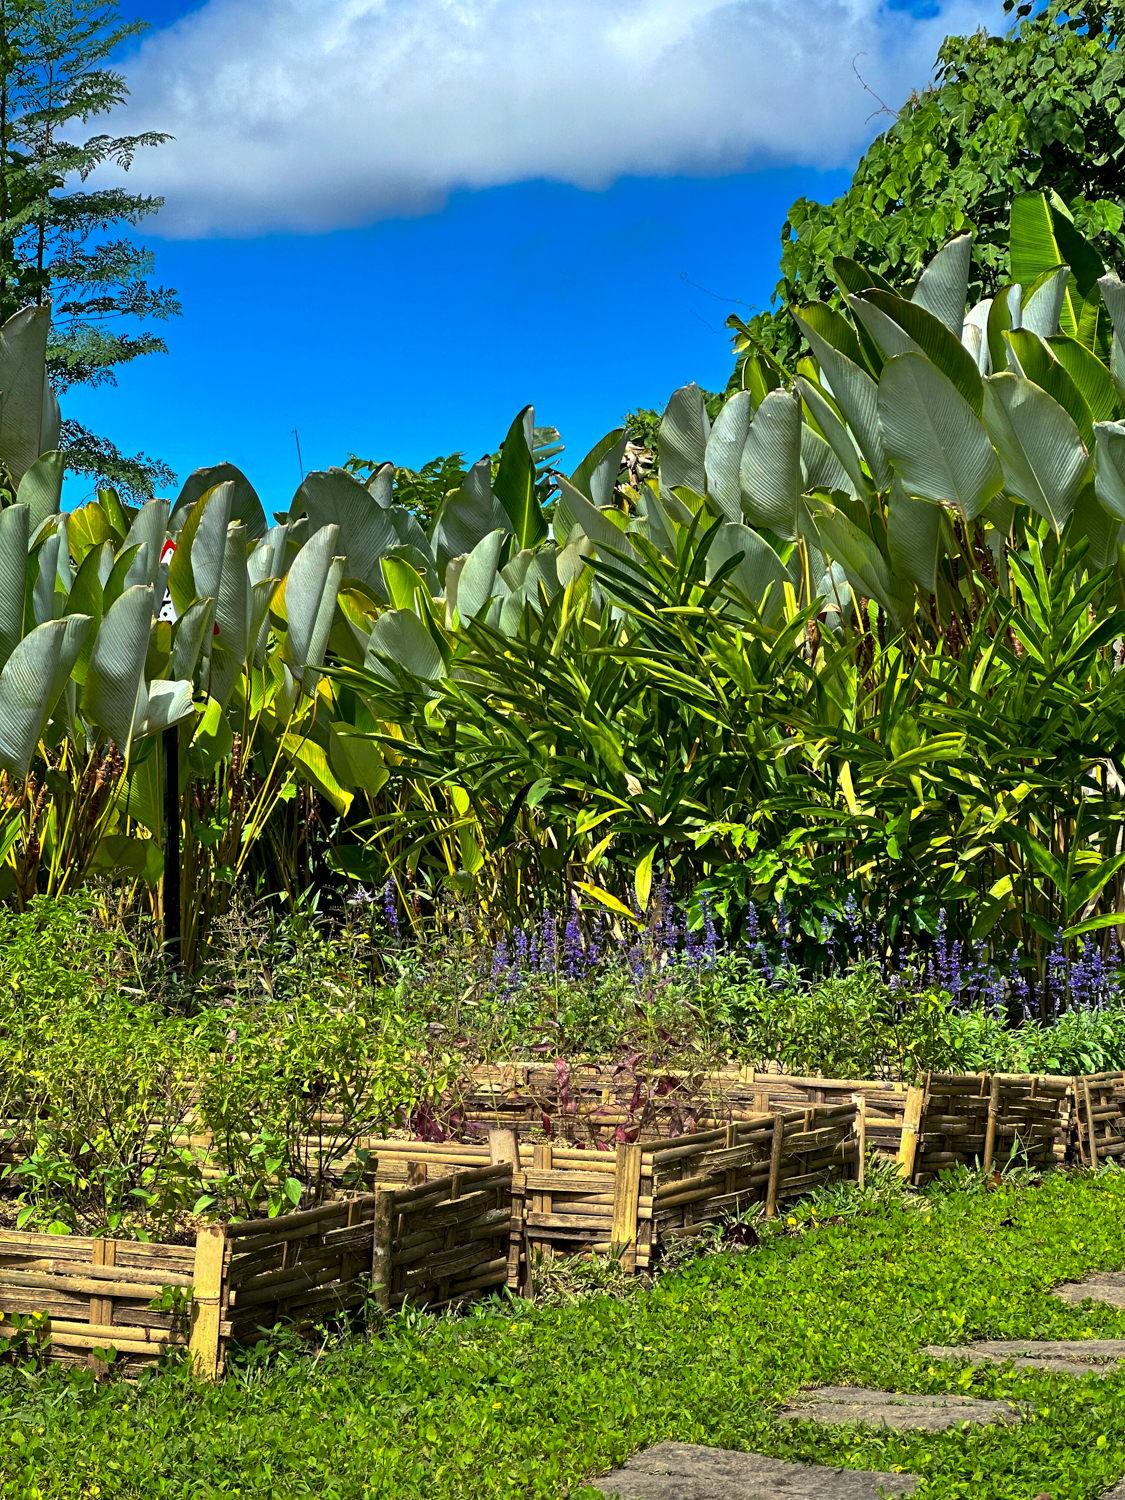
(685, 1471)
(1063, 1356)
(904, 1411)
(1099, 1286)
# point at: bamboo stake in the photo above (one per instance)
(206, 1298)
(504, 1147)
(775, 1165)
(381, 1248)
(993, 1117)
(908, 1142)
(626, 1201)
(861, 1138)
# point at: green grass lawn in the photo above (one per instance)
(521, 1401)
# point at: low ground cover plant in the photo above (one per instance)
(514, 1400)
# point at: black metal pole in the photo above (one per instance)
(173, 937)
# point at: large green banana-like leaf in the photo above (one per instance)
(597, 474)
(514, 484)
(478, 579)
(822, 469)
(124, 565)
(310, 760)
(112, 698)
(1092, 521)
(1003, 314)
(913, 537)
(14, 534)
(400, 637)
(684, 430)
(1041, 237)
(28, 426)
(1113, 291)
(573, 509)
(1032, 357)
(150, 529)
(169, 702)
(864, 564)
(943, 286)
(366, 534)
(30, 684)
(723, 455)
(311, 586)
(837, 436)
(192, 631)
(47, 600)
(414, 544)
(1089, 375)
(901, 327)
(933, 437)
(770, 471)
(232, 602)
(86, 598)
(244, 503)
(1042, 305)
(760, 574)
(1109, 467)
(855, 393)
(40, 489)
(209, 544)
(1045, 462)
(181, 576)
(470, 515)
(230, 641)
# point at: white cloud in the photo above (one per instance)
(314, 114)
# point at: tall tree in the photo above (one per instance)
(1040, 108)
(60, 240)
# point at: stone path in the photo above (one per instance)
(839, 1404)
(684, 1471)
(1099, 1286)
(1062, 1356)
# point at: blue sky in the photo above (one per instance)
(397, 274)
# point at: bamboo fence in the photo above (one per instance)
(451, 1220)
(956, 1120)
(1099, 1116)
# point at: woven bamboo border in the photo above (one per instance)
(447, 1221)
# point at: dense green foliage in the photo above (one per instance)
(1040, 109)
(517, 1401)
(57, 240)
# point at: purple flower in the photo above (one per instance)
(852, 922)
(549, 954)
(361, 896)
(710, 936)
(500, 960)
(390, 909)
(1018, 985)
(753, 926)
(783, 930)
(1058, 975)
(573, 955)
(521, 945)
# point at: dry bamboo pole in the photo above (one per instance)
(775, 1165)
(382, 1246)
(861, 1138)
(206, 1299)
(626, 1202)
(504, 1147)
(908, 1142)
(104, 1254)
(993, 1118)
